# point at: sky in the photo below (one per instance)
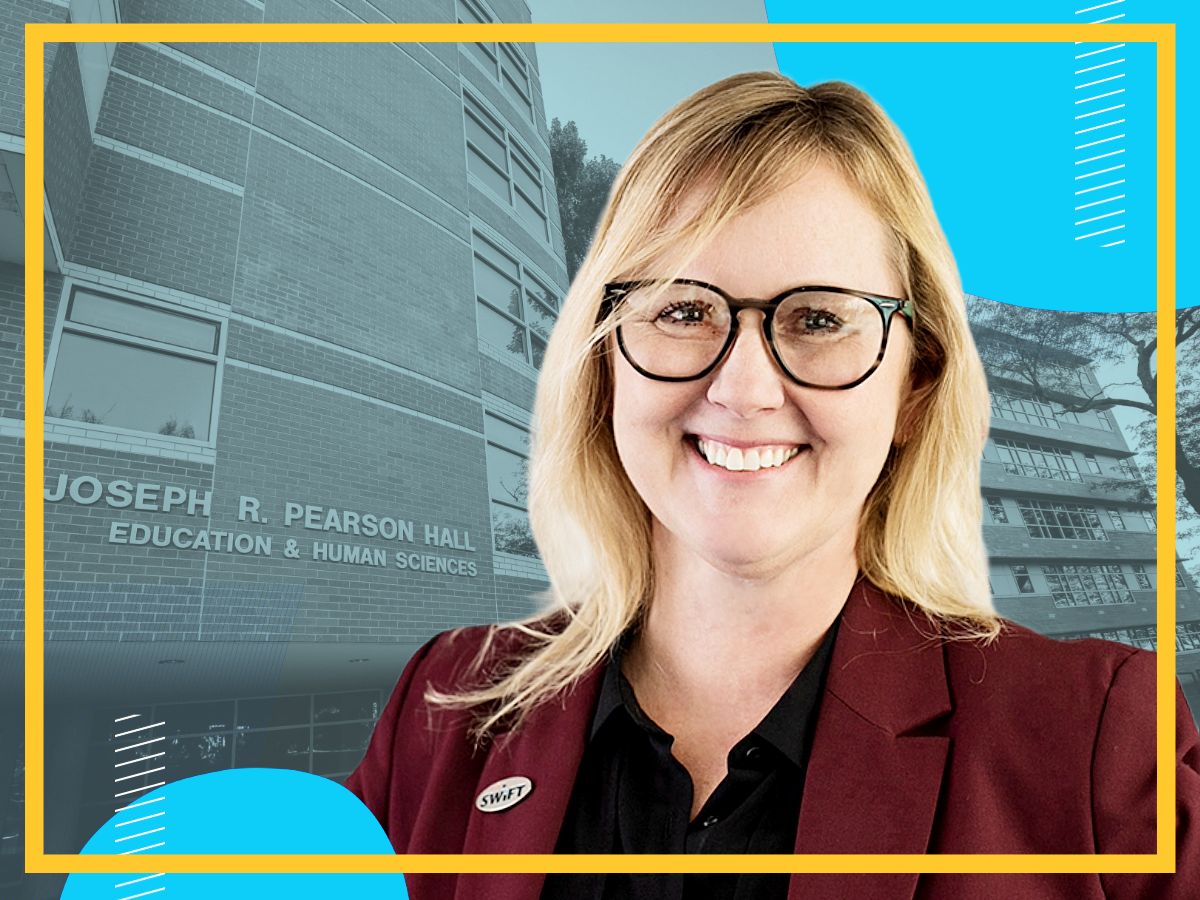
(615, 92)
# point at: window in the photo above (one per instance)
(324, 734)
(1009, 404)
(1102, 418)
(1024, 582)
(1046, 519)
(1148, 518)
(1093, 466)
(1087, 585)
(996, 508)
(1179, 579)
(1187, 636)
(515, 311)
(496, 159)
(508, 485)
(1115, 516)
(502, 61)
(135, 366)
(1037, 461)
(1142, 576)
(1125, 468)
(1143, 638)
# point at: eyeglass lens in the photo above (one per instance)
(824, 339)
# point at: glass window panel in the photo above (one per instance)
(339, 748)
(468, 12)
(514, 93)
(144, 322)
(497, 259)
(501, 333)
(130, 387)
(188, 756)
(272, 712)
(284, 749)
(496, 289)
(1092, 464)
(540, 291)
(530, 188)
(505, 434)
(485, 172)
(538, 347)
(487, 143)
(512, 59)
(482, 115)
(341, 707)
(481, 53)
(531, 215)
(508, 476)
(996, 508)
(195, 718)
(540, 319)
(512, 532)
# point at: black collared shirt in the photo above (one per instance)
(632, 796)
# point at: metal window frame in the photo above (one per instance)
(522, 287)
(72, 286)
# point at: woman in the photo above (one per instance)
(771, 629)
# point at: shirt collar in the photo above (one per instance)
(787, 727)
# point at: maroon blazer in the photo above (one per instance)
(922, 745)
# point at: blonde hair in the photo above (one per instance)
(736, 143)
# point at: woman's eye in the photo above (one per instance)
(684, 314)
(812, 321)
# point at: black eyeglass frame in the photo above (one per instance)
(887, 307)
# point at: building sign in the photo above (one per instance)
(87, 490)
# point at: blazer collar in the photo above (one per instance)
(876, 769)
(873, 776)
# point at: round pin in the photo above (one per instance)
(506, 793)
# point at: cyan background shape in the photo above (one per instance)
(992, 127)
(246, 811)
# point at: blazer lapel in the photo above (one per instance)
(873, 777)
(548, 750)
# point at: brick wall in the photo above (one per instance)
(13, 16)
(68, 141)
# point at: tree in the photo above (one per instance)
(1046, 352)
(582, 186)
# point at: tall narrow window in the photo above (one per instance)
(1093, 466)
(516, 312)
(508, 485)
(996, 507)
(1115, 516)
(136, 366)
(1023, 579)
(1142, 576)
(1148, 518)
(496, 158)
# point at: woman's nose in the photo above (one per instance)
(748, 379)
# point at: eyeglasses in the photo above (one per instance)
(822, 337)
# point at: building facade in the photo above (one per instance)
(296, 298)
(1071, 554)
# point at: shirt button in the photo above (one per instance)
(754, 753)
(710, 821)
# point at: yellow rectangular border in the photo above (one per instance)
(37, 860)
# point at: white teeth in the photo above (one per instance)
(751, 460)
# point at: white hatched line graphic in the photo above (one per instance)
(141, 814)
(1107, 146)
